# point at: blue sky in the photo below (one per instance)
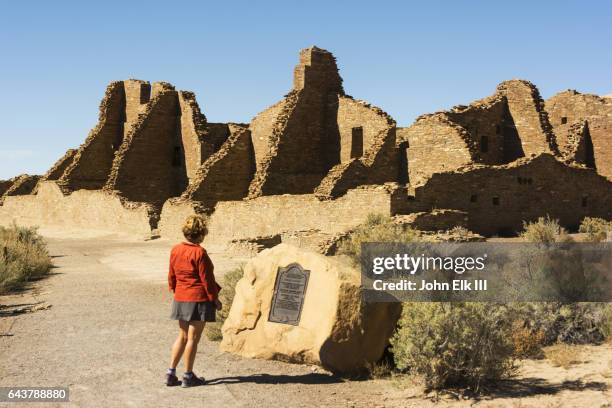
(407, 57)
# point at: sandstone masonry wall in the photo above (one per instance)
(530, 119)
(570, 107)
(226, 175)
(82, 209)
(304, 141)
(149, 166)
(499, 198)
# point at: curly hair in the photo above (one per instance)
(194, 228)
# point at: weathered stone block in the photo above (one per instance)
(335, 329)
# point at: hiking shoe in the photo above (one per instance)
(192, 381)
(172, 380)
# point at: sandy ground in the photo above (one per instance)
(107, 337)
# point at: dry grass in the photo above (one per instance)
(23, 257)
(563, 355)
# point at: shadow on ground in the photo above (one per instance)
(313, 378)
(527, 387)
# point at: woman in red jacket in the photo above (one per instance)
(196, 298)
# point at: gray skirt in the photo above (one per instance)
(193, 311)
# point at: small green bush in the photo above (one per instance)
(377, 228)
(226, 296)
(454, 344)
(597, 229)
(545, 230)
(23, 257)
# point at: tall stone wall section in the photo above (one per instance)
(149, 166)
(120, 108)
(380, 161)
(227, 174)
(194, 134)
(435, 144)
(490, 130)
(304, 141)
(499, 198)
(568, 108)
(526, 108)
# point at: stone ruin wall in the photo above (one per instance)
(85, 209)
(569, 108)
(499, 198)
(273, 215)
(303, 141)
(227, 174)
(526, 108)
(91, 163)
(434, 144)
(153, 145)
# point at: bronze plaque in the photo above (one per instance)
(288, 296)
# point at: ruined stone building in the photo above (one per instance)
(317, 162)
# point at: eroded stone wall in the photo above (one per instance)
(498, 199)
(83, 209)
(569, 109)
(227, 174)
(435, 144)
(526, 109)
(149, 165)
(271, 215)
(303, 143)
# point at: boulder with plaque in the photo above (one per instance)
(303, 307)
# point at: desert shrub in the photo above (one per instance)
(563, 355)
(596, 229)
(376, 228)
(572, 323)
(23, 257)
(226, 296)
(545, 230)
(454, 344)
(526, 341)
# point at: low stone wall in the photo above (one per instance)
(91, 209)
(271, 215)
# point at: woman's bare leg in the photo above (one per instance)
(193, 338)
(179, 344)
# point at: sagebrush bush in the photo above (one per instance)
(597, 229)
(226, 296)
(376, 228)
(572, 323)
(23, 257)
(545, 230)
(454, 344)
(527, 342)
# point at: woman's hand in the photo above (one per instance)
(218, 304)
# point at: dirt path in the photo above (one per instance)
(107, 337)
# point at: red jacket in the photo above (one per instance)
(191, 275)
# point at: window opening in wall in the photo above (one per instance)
(356, 142)
(497, 130)
(496, 200)
(473, 198)
(484, 144)
(585, 201)
(176, 158)
(563, 120)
